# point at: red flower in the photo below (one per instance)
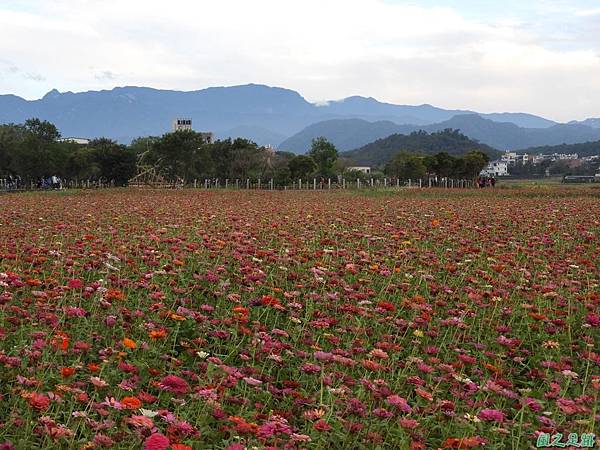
(39, 402)
(321, 425)
(75, 283)
(174, 384)
(157, 441)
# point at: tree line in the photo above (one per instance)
(34, 151)
(415, 166)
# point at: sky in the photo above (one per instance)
(535, 56)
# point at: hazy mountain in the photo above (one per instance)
(520, 119)
(499, 135)
(383, 150)
(583, 149)
(261, 136)
(345, 134)
(262, 113)
(508, 136)
(594, 123)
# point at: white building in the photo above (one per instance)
(75, 140)
(186, 125)
(182, 125)
(510, 158)
(363, 169)
(498, 168)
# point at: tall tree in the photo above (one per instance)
(10, 138)
(406, 166)
(324, 154)
(181, 154)
(39, 154)
(301, 166)
(475, 161)
(115, 162)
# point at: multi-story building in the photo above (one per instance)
(498, 168)
(186, 125)
(182, 125)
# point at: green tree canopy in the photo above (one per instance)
(406, 166)
(302, 166)
(324, 154)
(115, 162)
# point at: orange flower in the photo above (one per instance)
(424, 394)
(158, 334)
(131, 403)
(129, 343)
(435, 223)
(468, 442)
(114, 294)
(93, 367)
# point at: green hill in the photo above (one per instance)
(450, 141)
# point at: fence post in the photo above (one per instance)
(314, 184)
(328, 183)
(358, 183)
(343, 183)
(300, 184)
(247, 183)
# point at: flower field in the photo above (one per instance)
(232, 320)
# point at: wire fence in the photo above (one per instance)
(314, 184)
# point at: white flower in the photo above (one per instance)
(148, 413)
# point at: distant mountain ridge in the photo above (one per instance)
(262, 113)
(582, 149)
(594, 123)
(351, 134)
(383, 150)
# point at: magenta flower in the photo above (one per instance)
(399, 402)
(156, 441)
(174, 384)
(491, 415)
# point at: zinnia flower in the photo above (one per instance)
(174, 384)
(39, 402)
(491, 415)
(157, 441)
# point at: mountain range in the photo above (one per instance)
(349, 134)
(277, 116)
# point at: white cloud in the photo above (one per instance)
(588, 12)
(325, 49)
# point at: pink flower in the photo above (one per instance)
(156, 441)
(323, 356)
(593, 319)
(236, 447)
(491, 415)
(174, 384)
(409, 424)
(39, 402)
(399, 402)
